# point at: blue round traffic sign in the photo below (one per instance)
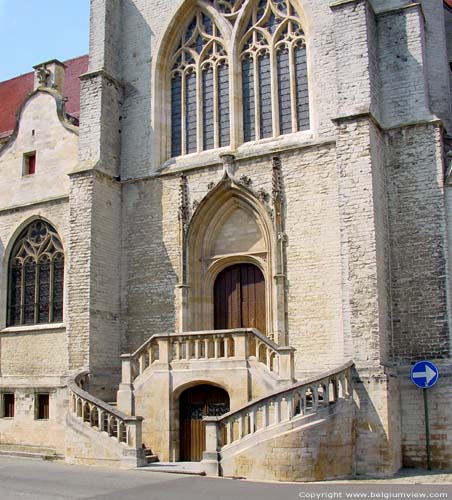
(424, 374)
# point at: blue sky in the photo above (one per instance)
(34, 31)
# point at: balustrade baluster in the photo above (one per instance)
(315, 398)
(241, 426)
(216, 348)
(278, 411)
(187, 349)
(253, 421)
(326, 395)
(290, 406)
(226, 347)
(206, 348)
(177, 346)
(265, 421)
(269, 359)
(230, 432)
(142, 363)
(197, 356)
(303, 403)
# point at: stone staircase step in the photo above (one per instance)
(150, 457)
(188, 468)
(23, 451)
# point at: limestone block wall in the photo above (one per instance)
(94, 278)
(24, 428)
(417, 226)
(313, 452)
(413, 420)
(377, 429)
(402, 61)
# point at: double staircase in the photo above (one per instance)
(275, 409)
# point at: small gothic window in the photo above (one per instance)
(274, 72)
(36, 277)
(199, 89)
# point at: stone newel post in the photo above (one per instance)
(210, 459)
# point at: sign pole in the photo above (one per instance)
(427, 431)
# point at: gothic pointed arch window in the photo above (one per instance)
(200, 118)
(36, 277)
(244, 82)
(274, 72)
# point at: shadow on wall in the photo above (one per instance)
(377, 443)
(136, 61)
(151, 284)
(149, 277)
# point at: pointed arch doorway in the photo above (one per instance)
(239, 298)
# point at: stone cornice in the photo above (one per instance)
(25, 206)
(103, 74)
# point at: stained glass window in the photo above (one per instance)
(274, 33)
(199, 79)
(216, 105)
(36, 277)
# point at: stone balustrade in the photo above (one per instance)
(291, 403)
(103, 417)
(241, 343)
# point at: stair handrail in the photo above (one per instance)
(135, 363)
(220, 430)
(124, 428)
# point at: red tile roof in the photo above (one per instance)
(14, 92)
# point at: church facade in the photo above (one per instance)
(230, 241)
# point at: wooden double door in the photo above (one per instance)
(194, 404)
(239, 298)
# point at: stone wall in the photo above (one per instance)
(417, 222)
(413, 420)
(311, 452)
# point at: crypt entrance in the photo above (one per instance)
(194, 404)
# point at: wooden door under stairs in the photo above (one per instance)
(196, 403)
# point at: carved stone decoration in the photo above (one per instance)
(184, 218)
(245, 180)
(448, 159)
(277, 190)
(43, 76)
(228, 164)
(263, 195)
(281, 237)
(210, 186)
(195, 205)
(183, 202)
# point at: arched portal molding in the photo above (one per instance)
(200, 265)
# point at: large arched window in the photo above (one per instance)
(274, 72)
(245, 82)
(199, 89)
(36, 277)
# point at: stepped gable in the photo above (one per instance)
(13, 92)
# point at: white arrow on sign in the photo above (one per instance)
(429, 374)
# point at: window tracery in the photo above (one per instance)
(274, 72)
(36, 277)
(270, 88)
(200, 89)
